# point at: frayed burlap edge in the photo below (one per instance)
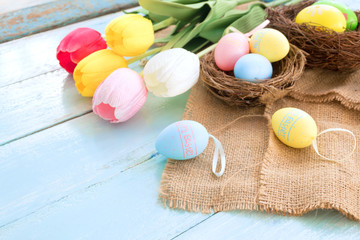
(170, 171)
(285, 211)
(329, 97)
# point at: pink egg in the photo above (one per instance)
(229, 49)
(120, 96)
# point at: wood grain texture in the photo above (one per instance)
(319, 224)
(49, 165)
(124, 206)
(9, 6)
(47, 16)
(79, 177)
(43, 101)
(34, 55)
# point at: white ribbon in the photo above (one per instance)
(218, 147)
(334, 130)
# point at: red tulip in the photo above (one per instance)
(78, 44)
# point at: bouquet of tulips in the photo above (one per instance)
(101, 71)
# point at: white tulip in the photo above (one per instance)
(171, 72)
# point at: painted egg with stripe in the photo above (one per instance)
(294, 127)
(182, 140)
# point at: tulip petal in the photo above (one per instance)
(106, 60)
(106, 111)
(65, 61)
(87, 50)
(129, 35)
(171, 72)
(78, 38)
(123, 90)
(94, 69)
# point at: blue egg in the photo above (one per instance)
(182, 140)
(253, 67)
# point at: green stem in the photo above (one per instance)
(163, 24)
(162, 40)
(144, 55)
(178, 36)
(206, 50)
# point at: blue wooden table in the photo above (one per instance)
(67, 174)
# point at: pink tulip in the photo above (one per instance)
(120, 96)
(78, 44)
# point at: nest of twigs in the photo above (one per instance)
(326, 49)
(239, 92)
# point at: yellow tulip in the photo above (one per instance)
(94, 69)
(129, 35)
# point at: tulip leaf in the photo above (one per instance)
(244, 21)
(196, 44)
(217, 12)
(250, 20)
(157, 18)
(179, 11)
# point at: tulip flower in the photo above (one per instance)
(94, 69)
(171, 72)
(120, 96)
(129, 35)
(77, 45)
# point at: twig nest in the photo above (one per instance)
(326, 49)
(240, 92)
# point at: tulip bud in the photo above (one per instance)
(93, 69)
(171, 72)
(78, 44)
(120, 96)
(129, 35)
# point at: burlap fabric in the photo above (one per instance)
(261, 172)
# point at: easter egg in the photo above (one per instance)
(182, 140)
(270, 43)
(294, 127)
(253, 67)
(229, 49)
(322, 16)
(350, 16)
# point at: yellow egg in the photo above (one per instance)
(294, 127)
(322, 16)
(270, 43)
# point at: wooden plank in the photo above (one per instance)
(34, 55)
(50, 15)
(9, 6)
(47, 166)
(39, 103)
(124, 206)
(321, 224)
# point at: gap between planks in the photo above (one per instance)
(146, 158)
(46, 127)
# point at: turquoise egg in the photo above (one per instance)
(182, 140)
(253, 67)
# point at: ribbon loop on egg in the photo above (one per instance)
(218, 147)
(314, 143)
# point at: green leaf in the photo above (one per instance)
(243, 20)
(217, 12)
(196, 44)
(179, 11)
(252, 19)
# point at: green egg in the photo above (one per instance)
(350, 16)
